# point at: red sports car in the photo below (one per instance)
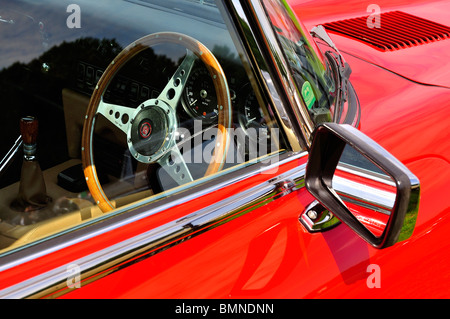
(224, 149)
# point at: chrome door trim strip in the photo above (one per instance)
(143, 209)
(145, 245)
(366, 196)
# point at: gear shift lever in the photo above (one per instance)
(29, 126)
(32, 191)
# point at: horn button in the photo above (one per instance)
(145, 129)
(150, 133)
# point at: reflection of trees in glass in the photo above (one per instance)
(248, 35)
(35, 88)
(232, 64)
(56, 69)
(48, 74)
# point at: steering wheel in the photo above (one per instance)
(151, 126)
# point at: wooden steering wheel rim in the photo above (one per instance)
(223, 101)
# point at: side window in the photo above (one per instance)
(104, 110)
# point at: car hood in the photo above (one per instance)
(404, 94)
(422, 63)
(406, 90)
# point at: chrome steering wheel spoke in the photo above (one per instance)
(118, 115)
(174, 165)
(150, 128)
(171, 94)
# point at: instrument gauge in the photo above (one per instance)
(252, 118)
(200, 95)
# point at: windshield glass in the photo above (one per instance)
(314, 76)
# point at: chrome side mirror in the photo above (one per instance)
(362, 184)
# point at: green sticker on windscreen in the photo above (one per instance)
(308, 95)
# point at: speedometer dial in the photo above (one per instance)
(200, 95)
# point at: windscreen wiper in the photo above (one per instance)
(343, 67)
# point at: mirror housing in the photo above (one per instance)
(329, 142)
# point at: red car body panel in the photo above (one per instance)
(267, 253)
(422, 63)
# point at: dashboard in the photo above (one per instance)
(141, 80)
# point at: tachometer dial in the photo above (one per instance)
(200, 95)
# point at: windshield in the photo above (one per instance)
(313, 73)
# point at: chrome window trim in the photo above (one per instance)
(155, 240)
(281, 92)
(272, 46)
(22, 254)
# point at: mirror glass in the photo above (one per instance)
(367, 191)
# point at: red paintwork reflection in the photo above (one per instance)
(376, 218)
(374, 221)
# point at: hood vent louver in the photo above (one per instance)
(398, 30)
